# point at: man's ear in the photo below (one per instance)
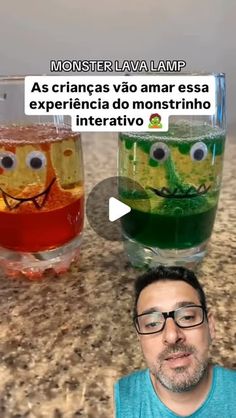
(211, 324)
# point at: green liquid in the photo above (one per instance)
(166, 231)
(172, 223)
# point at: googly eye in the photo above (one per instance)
(198, 151)
(67, 152)
(36, 160)
(8, 160)
(159, 152)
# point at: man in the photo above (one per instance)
(175, 332)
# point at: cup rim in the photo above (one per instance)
(182, 73)
(19, 77)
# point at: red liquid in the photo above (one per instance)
(40, 231)
(57, 216)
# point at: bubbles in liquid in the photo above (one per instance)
(196, 131)
(31, 134)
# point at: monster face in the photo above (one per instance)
(173, 168)
(34, 174)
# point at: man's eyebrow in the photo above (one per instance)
(176, 306)
(150, 310)
(186, 303)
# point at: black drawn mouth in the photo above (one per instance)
(181, 193)
(38, 200)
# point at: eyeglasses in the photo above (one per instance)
(185, 317)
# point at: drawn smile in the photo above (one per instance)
(38, 200)
(181, 193)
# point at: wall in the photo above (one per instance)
(201, 32)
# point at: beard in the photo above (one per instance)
(179, 379)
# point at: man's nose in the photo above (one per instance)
(172, 333)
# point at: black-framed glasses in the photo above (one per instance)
(185, 317)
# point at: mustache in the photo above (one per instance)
(176, 348)
(8, 198)
(179, 192)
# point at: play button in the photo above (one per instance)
(112, 202)
(117, 209)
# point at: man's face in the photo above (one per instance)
(176, 357)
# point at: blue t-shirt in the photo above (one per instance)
(135, 397)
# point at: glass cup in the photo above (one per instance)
(41, 188)
(180, 172)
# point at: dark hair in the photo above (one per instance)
(168, 273)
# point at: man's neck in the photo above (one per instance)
(185, 403)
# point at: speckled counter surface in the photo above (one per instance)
(64, 341)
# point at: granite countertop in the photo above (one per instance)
(65, 340)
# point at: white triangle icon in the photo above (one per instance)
(117, 209)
